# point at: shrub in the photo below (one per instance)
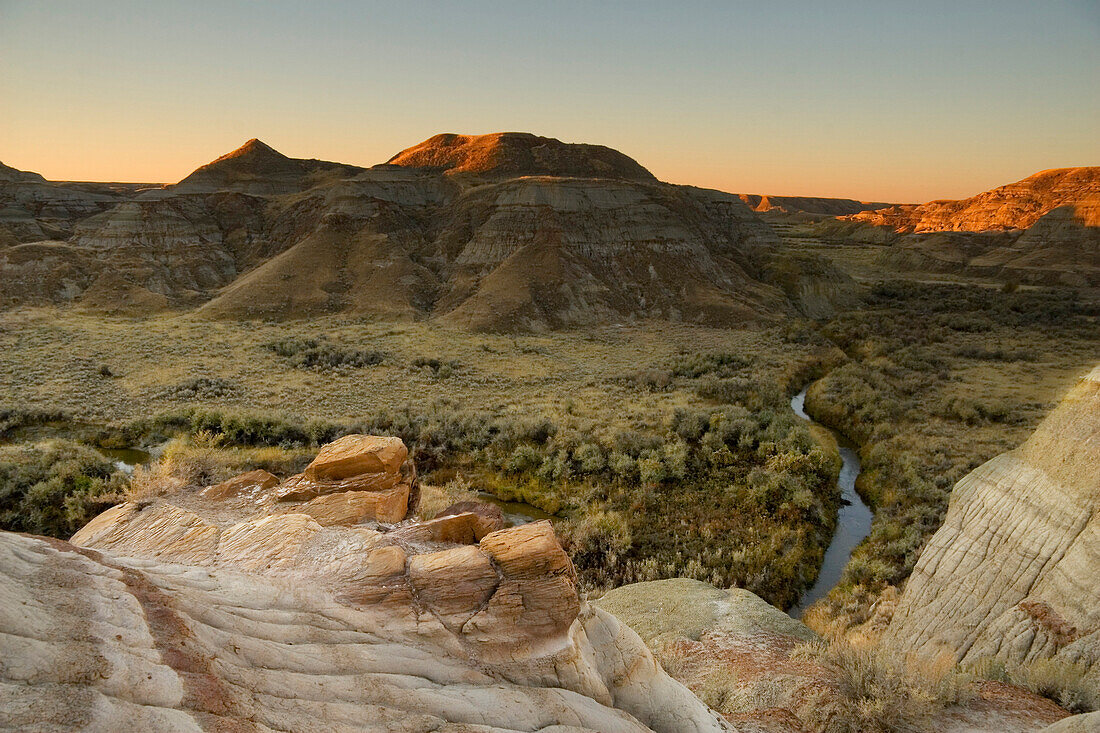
(442, 369)
(1064, 682)
(54, 487)
(877, 690)
(590, 458)
(200, 388)
(599, 538)
(319, 354)
(14, 418)
(694, 366)
(524, 458)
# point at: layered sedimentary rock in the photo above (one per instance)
(501, 232)
(33, 209)
(548, 252)
(1043, 229)
(1015, 206)
(811, 205)
(258, 169)
(1014, 573)
(234, 608)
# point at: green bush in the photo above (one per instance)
(439, 368)
(200, 388)
(54, 487)
(319, 354)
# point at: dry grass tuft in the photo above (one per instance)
(434, 499)
(201, 460)
(876, 690)
(1063, 682)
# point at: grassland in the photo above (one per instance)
(662, 449)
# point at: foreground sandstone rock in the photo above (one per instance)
(187, 612)
(769, 672)
(1014, 573)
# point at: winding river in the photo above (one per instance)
(853, 520)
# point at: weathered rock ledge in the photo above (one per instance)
(314, 604)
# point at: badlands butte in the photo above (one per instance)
(498, 436)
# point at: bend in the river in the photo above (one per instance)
(853, 521)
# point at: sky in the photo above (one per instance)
(884, 101)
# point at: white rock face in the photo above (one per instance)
(1014, 573)
(233, 610)
(91, 642)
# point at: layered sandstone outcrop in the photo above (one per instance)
(498, 232)
(1014, 573)
(237, 608)
(1044, 229)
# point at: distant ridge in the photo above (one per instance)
(1017, 205)
(509, 154)
(809, 204)
(258, 168)
(1042, 230)
(9, 175)
(501, 232)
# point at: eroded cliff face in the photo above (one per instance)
(1014, 206)
(1014, 573)
(1044, 229)
(498, 232)
(312, 602)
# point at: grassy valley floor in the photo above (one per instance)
(662, 449)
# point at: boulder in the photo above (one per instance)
(465, 529)
(352, 480)
(355, 455)
(489, 516)
(354, 507)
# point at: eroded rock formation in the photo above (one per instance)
(1043, 229)
(496, 232)
(262, 604)
(512, 154)
(1014, 573)
(809, 205)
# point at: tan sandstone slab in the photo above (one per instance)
(353, 455)
(248, 483)
(352, 507)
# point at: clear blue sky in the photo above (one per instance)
(875, 100)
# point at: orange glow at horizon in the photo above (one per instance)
(854, 99)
